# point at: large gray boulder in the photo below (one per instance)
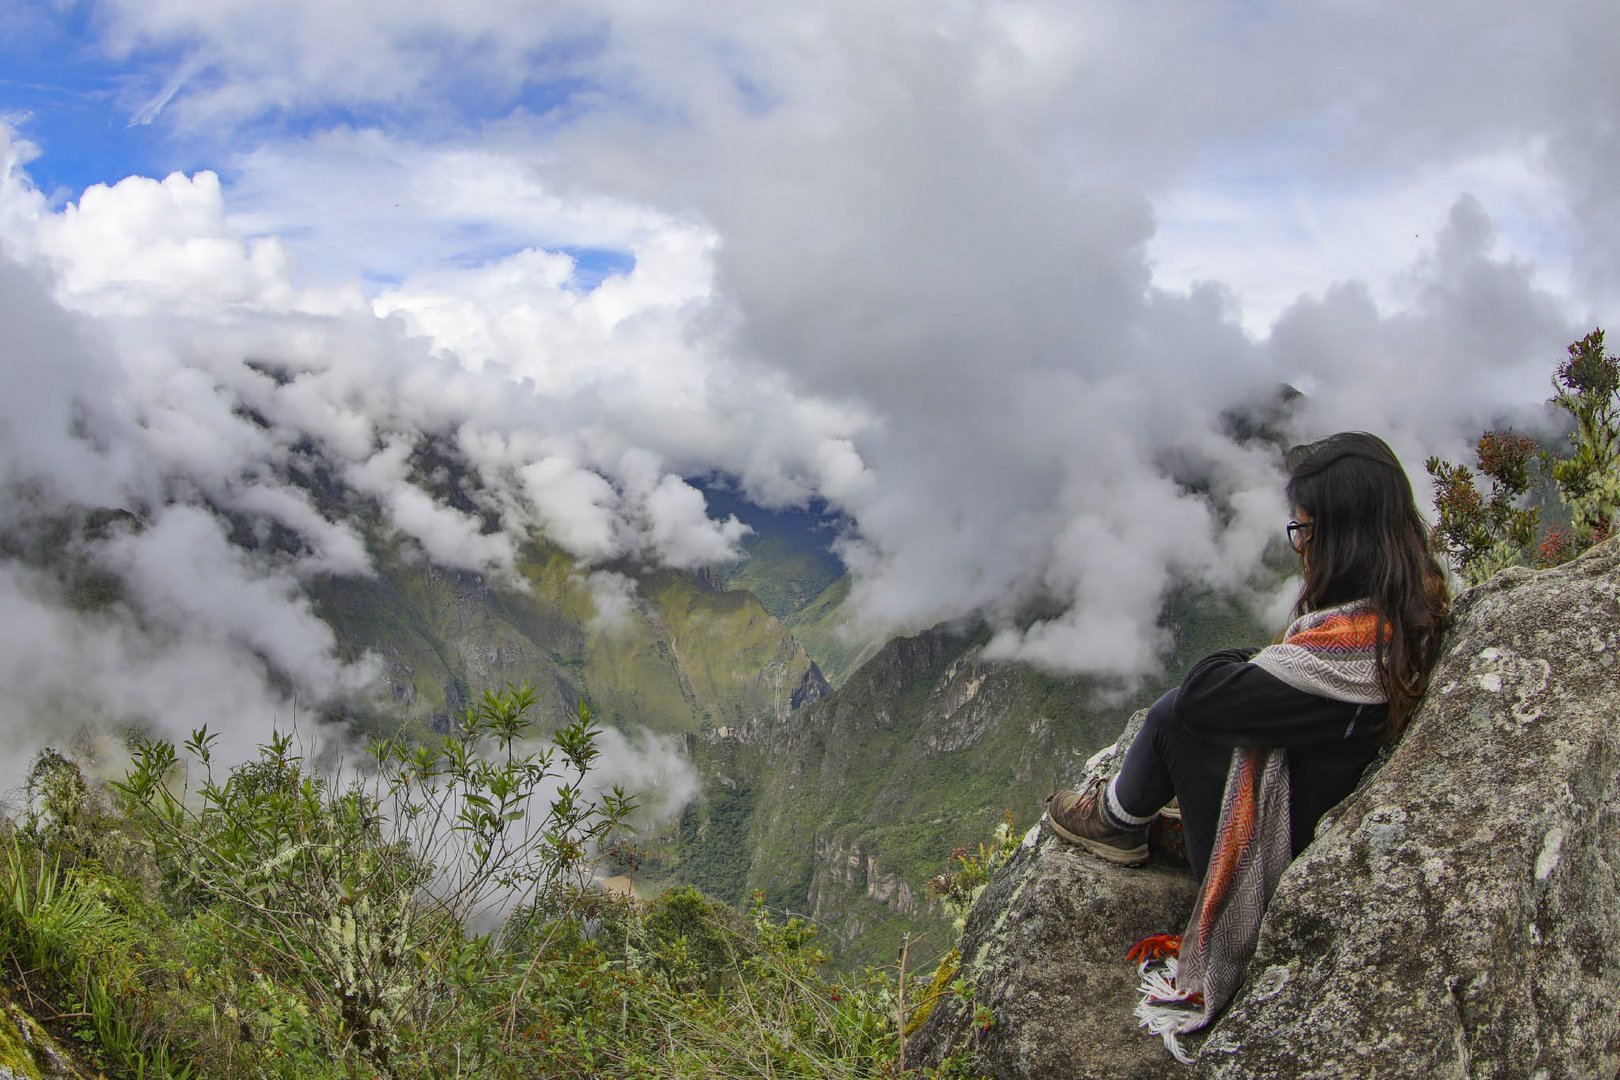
(1461, 916)
(1458, 916)
(1044, 951)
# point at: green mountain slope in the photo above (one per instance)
(825, 627)
(682, 654)
(683, 657)
(845, 809)
(790, 566)
(788, 556)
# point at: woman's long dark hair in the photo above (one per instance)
(1368, 540)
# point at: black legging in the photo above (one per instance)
(1167, 761)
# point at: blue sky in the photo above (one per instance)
(75, 103)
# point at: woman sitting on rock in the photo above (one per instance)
(1329, 693)
(1257, 744)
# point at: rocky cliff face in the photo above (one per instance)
(842, 809)
(1457, 916)
(1044, 951)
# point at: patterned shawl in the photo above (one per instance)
(1331, 653)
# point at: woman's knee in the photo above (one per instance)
(1160, 721)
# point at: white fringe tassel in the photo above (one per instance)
(1163, 1010)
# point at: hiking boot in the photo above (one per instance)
(1078, 818)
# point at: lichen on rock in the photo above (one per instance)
(28, 1052)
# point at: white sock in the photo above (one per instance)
(1117, 812)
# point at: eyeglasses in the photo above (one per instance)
(1298, 533)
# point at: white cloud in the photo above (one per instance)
(654, 768)
(613, 596)
(448, 536)
(984, 278)
(575, 505)
(408, 205)
(147, 243)
(670, 515)
(1476, 341)
(64, 670)
(182, 571)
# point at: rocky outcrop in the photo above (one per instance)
(813, 687)
(845, 868)
(1044, 952)
(1462, 915)
(1459, 915)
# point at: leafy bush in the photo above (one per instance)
(1587, 387)
(359, 896)
(773, 1013)
(1482, 532)
(70, 950)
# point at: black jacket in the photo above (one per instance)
(1230, 702)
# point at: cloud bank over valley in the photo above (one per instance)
(986, 280)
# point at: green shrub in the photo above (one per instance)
(72, 952)
(1482, 532)
(360, 896)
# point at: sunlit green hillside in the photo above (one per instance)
(678, 657)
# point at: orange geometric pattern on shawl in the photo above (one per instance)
(1343, 632)
(1236, 840)
(1337, 636)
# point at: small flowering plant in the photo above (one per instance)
(959, 887)
(1482, 531)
